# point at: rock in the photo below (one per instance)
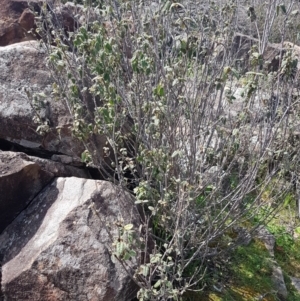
(57, 168)
(278, 281)
(241, 45)
(26, 20)
(296, 283)
(58, 249)
(67, 160)
(76, 14)
(244, 237)
(22, 177)
(255, 107)
(16, 109)
(65, 17)
(267, 238)
(240, 51)
(16, 20)
(20, 182)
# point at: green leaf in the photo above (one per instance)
(83, 157)
(295, 12)
(157, 284)
(128, 227)
(235, 73)
(120, 248)
(166, 7)
(176, 153)
(43, 95)
(235, 132)
(106, 77)
(256, 55)
(161, 91)
(155, 258)
(108, 47)
(282, 8)
(129, 254)
(145, 270)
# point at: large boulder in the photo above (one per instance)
(22, 177)
(240, 50)
(23, 73)
(278, 281)
(296, 283)
(16, 19)
(60, 249)
(20, 181)
(263, 234)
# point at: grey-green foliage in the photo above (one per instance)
(157, 78)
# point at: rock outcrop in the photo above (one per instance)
(23, 68)
(240, 51)
(52, 245)
(278, 281)
(16, 19)
(296, 283)
(267, 238)
(277, 277)
(22, 178)
(58, 249)
(20, 182)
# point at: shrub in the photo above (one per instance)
(195, 138)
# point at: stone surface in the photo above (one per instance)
(57, 168)
(23, 68)
(58, 249)
(68, 10)
(243, 236)
(16, 19)
(65, 17)
(267, 238)
(279, 284)
(22, 177)
(26, 20)
(256, 107)
(296, 283)
(20, 182)
(241, 45)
